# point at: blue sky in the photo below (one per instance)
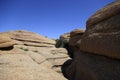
(49, 18)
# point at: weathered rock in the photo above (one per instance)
(55, 56)
(86, 66)
(108, 11)
(103, 37)
(30, 38)
(59, 56)
(26, 66)
(4, 39)
(75, 35)
(63, 41)
(5, 42)
(65, 37)
(76, 32)
(97, 52)
(33, 57)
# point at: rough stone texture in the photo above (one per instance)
(33, 57)
(76, 32)
(97, 52)
(86, 66)
(104, 13)
(65, 37)
(56, 56)
(26, 66)
(5, 42)
(75, 35)
(103, 38)
(30, 38)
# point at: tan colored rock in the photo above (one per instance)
(6, 44)
(5, 41)
(103, 38)
(29, 38)
(26, 66)
(37, 44)
(55, 56)
(38, 58)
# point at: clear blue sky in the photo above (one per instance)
(49, 18)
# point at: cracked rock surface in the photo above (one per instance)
(41, 61)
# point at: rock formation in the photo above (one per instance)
(33, 57)
(94, 52)
(6, 43)
(97, 50)
(102, 35)
(22, 37)
(74, 36)
(63, 41)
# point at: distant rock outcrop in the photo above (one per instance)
(63, 40)
(97, 50)
(33, 57)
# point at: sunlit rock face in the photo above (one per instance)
(22, 37)
(97, 50)
(6, 42)
(32, 57)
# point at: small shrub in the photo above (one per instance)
(35, 51)
(25, 49)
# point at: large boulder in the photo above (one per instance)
(102, 35)
(97, 51)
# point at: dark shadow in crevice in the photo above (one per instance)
(7, 48)
(65, 66)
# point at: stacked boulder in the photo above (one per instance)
(97, 50)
